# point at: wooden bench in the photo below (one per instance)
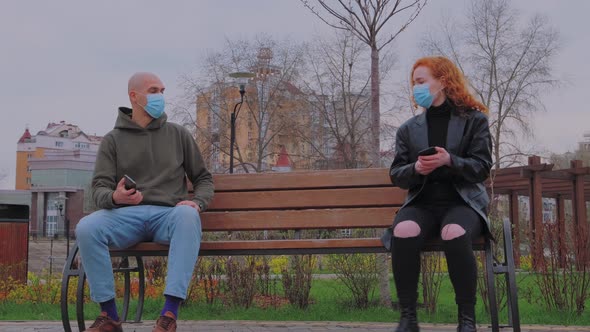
(343, 199)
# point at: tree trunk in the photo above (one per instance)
(382, 259)
(384, 290)
(497, 144)
(375, 111)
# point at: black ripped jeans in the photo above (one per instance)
(435, 208)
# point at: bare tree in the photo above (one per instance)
(338, 97)
(263, 115)
(563, 161)
(401, 107)
(509, 65)
(338, 127)
(367, 19)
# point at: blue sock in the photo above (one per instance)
(172, 304)
(110, 307)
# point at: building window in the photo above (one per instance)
(51, 225)
(29, 155)
(59, 144)
(28, 180)
(346, 232)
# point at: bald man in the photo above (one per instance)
(158, 156)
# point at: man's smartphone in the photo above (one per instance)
(129, 183)
(428, 151)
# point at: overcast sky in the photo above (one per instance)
(70, 60)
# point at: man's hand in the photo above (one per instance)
(191, 204)
(121, 196)
(426, 164)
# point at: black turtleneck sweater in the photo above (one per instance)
(439, 183)
(438, 118)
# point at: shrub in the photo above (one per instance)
(358, 272)
(297, 280)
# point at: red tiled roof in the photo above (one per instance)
(283, 160)
(26, 135)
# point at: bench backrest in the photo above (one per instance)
(297, 201)
(360, 198)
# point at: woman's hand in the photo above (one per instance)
(427, 164)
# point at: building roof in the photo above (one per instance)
(61, 130)
(292, 89)
(69, 189)
(94, 138)
(26, 136)
(283, 160)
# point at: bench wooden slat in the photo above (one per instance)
(303, 180)
(292, 244)
(268, 244)
(324, 244)
(308, 199)
(298, 219)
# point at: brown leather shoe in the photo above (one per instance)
(104, 323)
(166, 323)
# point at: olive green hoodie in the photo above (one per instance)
(158, 157)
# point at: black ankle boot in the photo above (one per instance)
(408, 321)
(466, 318)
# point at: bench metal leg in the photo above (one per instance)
(80, 298)
(511, 289)
(69, 271)
(141, 296)
(124, 267)
(490, 277)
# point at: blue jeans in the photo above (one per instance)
(179, 226)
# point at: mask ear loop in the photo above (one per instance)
(137, 102)
(442, 79)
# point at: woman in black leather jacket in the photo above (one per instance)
(446, 193)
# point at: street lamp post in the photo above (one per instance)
(60, 203)
(242, 79)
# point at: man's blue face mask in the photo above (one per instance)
(155, 105)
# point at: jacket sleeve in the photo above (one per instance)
(402, 171)
(104, 180)
(197, 173)
(475, 166)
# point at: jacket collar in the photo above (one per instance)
(454, 133)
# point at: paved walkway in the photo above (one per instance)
(253, 326)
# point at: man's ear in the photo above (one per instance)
(133, 96)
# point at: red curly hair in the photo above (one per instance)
(455, 84)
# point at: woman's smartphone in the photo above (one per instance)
(129, 183)
(428, 151)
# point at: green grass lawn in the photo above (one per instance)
(329, 304)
